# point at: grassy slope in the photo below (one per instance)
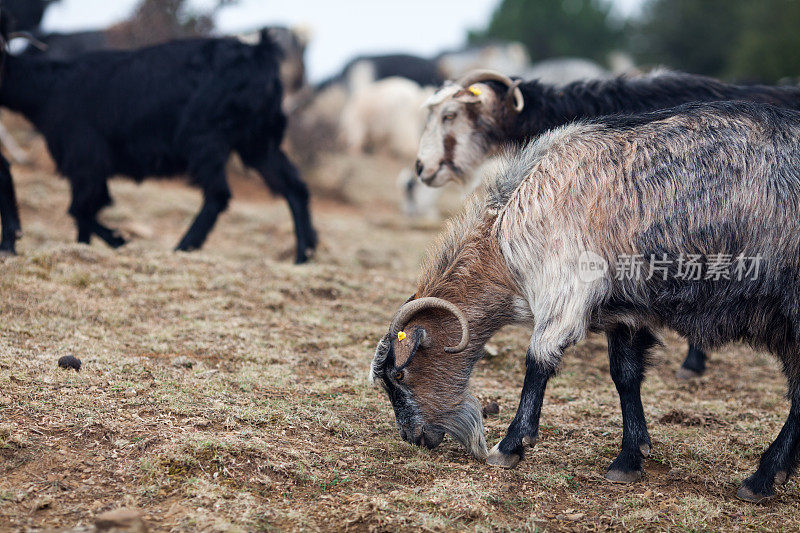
(227, 388)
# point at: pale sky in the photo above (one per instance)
(340, 29)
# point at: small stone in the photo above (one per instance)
(135, 229)
(687, 374)
(42, 503)
(70, 361)
(491, 409)
(199, 422)
(130, 393)
(183, 362)
(490, 350)
(125, 519)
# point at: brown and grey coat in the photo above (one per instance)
(701, 179)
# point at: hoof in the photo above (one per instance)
(529, 441)
(497, 458)
(781, 478)
(117, 242)
(618, 476)
(687, 373)
(645, 450)
(744, 493)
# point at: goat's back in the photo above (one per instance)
(712, 181)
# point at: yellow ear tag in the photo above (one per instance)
(474, 90)
(401, 335)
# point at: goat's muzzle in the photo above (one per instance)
(421, 436)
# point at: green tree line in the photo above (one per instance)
(731, 39)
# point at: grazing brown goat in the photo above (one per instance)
(697, 181)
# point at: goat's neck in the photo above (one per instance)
(474, 276)
(486, 311)
(26, 84)
(549, 106)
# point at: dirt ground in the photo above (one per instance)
(227, 389)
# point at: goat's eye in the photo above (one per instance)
(399, 375)
(449, 116)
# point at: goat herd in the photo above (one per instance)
(665, 168)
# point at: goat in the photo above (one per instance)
(509, 57)
(423, 72)
(10, 228)
(563, 70)
(698, 181)
(387, 113)
(292, 43)
(473, 118)
(24, 16)
(470, 120)
(9, 213)
(420, 201)
(167, 109)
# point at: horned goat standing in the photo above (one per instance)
(471, 120)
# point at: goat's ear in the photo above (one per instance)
(405, 348)
(467, 96)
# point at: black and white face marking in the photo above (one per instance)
(393, 380)
(451, 145)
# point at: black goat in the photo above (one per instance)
(174, 108)
(470, 120)
(423, 72)
(9, 213)
(65, 46)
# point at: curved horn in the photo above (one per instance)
(28, 37)
(477, 76)
(413, 307)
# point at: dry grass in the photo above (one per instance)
(226, 389)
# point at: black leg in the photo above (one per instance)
(627, 354)
(89, 196)
(780, 459)
(214, 203)
(524, 429)
(111, 237)
(9, 213)
(694, 365)
(208, 170)
(282, 177)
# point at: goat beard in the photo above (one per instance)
(465, 425)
